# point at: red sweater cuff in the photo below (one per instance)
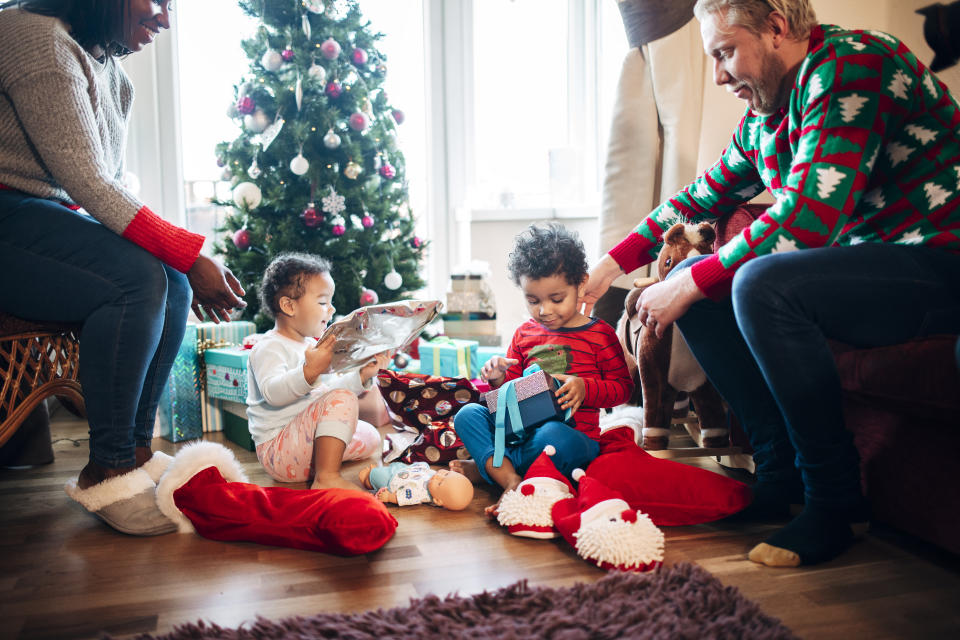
(628, 252)
(174, 246)
(712, 278)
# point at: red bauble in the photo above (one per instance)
(246, 105)
(398, 116)
(338, 230)
(416, 242)
(311, 217)
(334, 89)
(367, 221)
(368, 297)
(359, 57)
(358, 121)
(241, 238)
(387, 170)
(287, 55)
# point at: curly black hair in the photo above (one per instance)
(286, 275)
(543, 250)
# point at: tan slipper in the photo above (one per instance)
(127, 503)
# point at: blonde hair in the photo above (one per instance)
(752, 14)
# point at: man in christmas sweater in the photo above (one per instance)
(859, 143)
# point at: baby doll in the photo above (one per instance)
(416, 483)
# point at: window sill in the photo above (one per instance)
(580, 212)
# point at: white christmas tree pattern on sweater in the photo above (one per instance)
(922, 134)
(911, 237)
(827, 181)
(937, 196)
(898, 152)
(899, 84)
(850, 106)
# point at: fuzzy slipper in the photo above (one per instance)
(157, 464)
(127, 503)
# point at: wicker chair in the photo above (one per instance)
(37, 360)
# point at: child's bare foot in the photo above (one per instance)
(468, 468)
(335, 481)
(494, 510)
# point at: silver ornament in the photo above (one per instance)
(313, 6)
(298, 91)
(271, 60)
(299, 165)
(254, 171)
(331, 140)
(318, 73)
(305, 23)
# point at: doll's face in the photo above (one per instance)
(450, 490)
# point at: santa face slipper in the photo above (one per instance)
(127, 503)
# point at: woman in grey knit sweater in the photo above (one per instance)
(122, 271)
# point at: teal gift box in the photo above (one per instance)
(226, 370)
(449, 357)
(178, 413)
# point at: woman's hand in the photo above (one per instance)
(600, 278)
(495, 369)
(571, 393)
(317, 358)
(380, 361)
(662, 303)
(215, 289)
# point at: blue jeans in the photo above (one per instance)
(59, 265)
(474, 424)
(765, 349)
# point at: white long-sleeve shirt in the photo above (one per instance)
(276, 388)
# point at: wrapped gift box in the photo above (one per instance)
(535, 397)
(449, 357)
(178, 413)
(235, 425)
(226, 370)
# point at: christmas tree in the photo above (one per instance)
(316, 167)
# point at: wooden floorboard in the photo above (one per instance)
(63, 574)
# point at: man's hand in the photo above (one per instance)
(215, 289)
(571, 393)
(600, 278)
(380, 361)
(662, 303)
(317, 359)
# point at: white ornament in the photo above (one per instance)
(254, 171)
(299, 165)
(305, 25)
(393, 281)
(333, 203)
(232, 111)
(247, 194)
(256, 122)
(331, 140)
(298, 91)
(318, 73)
(271, 60)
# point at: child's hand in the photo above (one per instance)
(571, 393)
(380, 361)
(317, 359)
(496, 368)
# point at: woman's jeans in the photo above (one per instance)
(63, 266)
(474, 426)
(765, 348)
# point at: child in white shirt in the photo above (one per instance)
(304, 423)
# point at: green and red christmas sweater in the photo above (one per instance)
(591, 352)
(866, 150)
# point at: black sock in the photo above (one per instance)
(771, 501)
(820, 534)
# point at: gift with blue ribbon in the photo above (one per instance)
(520, 406)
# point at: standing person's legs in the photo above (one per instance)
(787, 305)
(63, 266)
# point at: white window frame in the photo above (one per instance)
(155, 137)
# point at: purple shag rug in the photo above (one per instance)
(680, 601)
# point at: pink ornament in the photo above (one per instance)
(241, 238)
(358, 57)
(334, 89)
(311, 217)
(287, 54)
(387, 170)
(368, 297)
(416, 242)
(330, 48)
(358, 121)
(398, 116)
(338, 230)
(246, 105)
(366, 221)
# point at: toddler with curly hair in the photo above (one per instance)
(549, 265)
